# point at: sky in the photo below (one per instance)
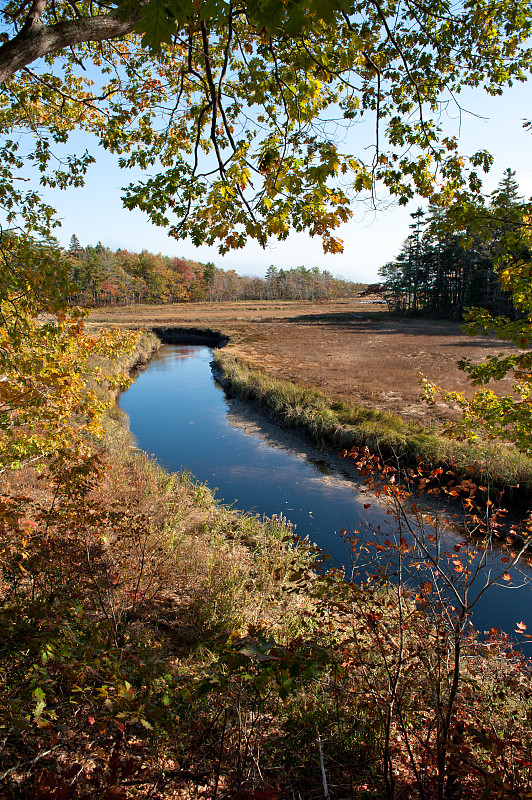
(371, 238)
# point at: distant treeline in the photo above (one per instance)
(105, 277)
(438, 273)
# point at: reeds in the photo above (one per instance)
(343, 426)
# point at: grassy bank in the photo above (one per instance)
(238, 563)
(342, 426)
(155, 644)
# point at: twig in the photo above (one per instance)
(4, 775)
(322, 766)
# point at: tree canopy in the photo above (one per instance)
(102, 277)
(236, 115)
(236, 111)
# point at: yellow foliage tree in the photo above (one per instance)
(52, 392)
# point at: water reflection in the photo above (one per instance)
(179, 413)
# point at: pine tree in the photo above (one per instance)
(507, 194)
(75, 245)
(271, 281)
(507, 241)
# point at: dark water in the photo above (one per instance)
(179, 414)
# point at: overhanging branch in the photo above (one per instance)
(38, 40)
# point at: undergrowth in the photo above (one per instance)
(343, 426)
(120, 584)
(154, 643)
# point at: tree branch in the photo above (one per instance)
(34, 18)
(36, 40)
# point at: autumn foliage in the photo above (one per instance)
(101, 277)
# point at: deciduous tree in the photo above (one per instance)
(233, 108)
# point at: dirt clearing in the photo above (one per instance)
(348, 349)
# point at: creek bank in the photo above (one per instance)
(151, 340)
(148, 344)
(334, 427)
(182, 335)
(316, 416)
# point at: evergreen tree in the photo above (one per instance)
(271, 281)
(507, 195)
(439, 271)
(75, 245)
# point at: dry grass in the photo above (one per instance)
(351, 350)
(342, 425)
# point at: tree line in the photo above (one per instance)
(440, 270)
(103, 277)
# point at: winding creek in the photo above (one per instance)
(179, 413)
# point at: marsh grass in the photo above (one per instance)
(343, 426)
(234, 564)
(229, 560)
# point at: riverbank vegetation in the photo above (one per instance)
(157, 644)
(342, 425)
(117, 579)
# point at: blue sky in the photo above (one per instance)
(370, 239)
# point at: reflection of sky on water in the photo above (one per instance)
(180, 414)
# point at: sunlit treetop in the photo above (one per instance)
(238, 113)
